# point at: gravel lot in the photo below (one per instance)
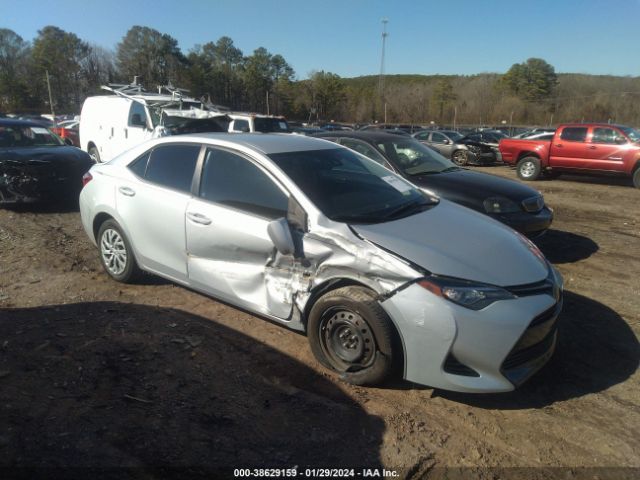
(98, 374)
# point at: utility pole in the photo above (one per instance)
(50, 98)
(381, 79)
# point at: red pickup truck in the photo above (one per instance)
(587, 148)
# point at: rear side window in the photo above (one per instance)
(607, 135)
(234, 181)
(173, 166)
(574, 134)
(139, 165)
(241, 125)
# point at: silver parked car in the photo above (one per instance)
(444, 141)
(314, 236)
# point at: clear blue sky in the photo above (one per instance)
(344, 36)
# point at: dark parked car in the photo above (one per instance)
(36, 165)
(507, 201)
(478, 148)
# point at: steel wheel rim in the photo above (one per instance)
(346, 339)
(113, 251)
(527, 169)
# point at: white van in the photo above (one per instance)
(112, 124)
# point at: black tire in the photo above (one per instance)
(636, 178)
(93, 153)
(116, 254)
(460, 158)
(350, 333)
(529, 168)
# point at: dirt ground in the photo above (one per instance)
(155, 377)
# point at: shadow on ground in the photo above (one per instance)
(58, 205)
(596, 350)
(110, 384)
(565, 247)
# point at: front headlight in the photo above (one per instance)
(468, 294)
(500, 205)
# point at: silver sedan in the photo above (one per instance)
(381, 276)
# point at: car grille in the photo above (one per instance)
(533, 204)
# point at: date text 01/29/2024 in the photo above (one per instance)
(314, 473)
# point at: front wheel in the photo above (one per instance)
(636, 178)
(116, 254)
(529, 168)
(350, 333)
(460, 158)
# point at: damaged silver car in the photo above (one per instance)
(380, 276)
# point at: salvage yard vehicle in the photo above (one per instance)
(478, 148)
(255, 122)
(36, 165)
(111, 124)
(507, 201)
(592, 148)
(316, 237)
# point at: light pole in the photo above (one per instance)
(381, 78)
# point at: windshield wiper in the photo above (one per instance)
(450, 169)
(409, 208)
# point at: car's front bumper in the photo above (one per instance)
(530, 224)
(455, 348)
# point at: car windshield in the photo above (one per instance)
(268, 125)
(632, 133)
(413, 158)
(27, 136)
(348, 187)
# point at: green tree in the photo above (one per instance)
(532, 80)
(153, 55)
(61, 54)
(14, 57)
(328, 92)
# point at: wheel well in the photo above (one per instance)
(528, 154)
(334, 284)
(99, 220)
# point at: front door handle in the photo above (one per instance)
(198, 218)
(558, 145)
(592, 147)
(129, 192)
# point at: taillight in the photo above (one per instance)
(86, 178)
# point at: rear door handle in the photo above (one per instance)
(558, 145)
(129, 192)
(198, 218)
(592, 147)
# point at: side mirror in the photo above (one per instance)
(280, 235)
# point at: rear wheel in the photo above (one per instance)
(529, 168)
(93, 153)
(350, 333)
(116, 254)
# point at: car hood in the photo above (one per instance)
(457, 242)
(62, 154)
(472, 188)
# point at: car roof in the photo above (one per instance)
(367, 135)
(266, 143)
(12, 122)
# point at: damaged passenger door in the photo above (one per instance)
(229, 250)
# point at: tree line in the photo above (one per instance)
(528, 93)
